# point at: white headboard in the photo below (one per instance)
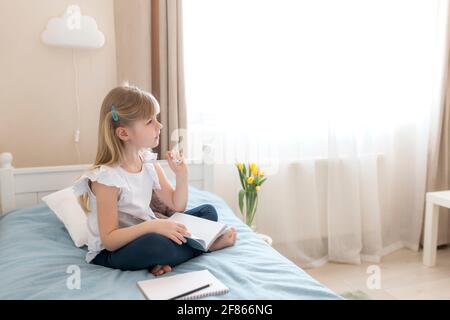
(24, 187)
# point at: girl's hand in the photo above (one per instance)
(177, 162)
(171, 229)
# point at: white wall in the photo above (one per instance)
(37, 93)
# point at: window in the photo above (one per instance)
(289, 71)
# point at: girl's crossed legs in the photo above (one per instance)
(157, 252)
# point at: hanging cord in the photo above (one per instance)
(77, 131)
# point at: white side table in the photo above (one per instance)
(433, 201)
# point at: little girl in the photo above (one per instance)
(123, 231)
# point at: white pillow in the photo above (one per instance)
(66, 207)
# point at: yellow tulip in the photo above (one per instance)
(250, 180)
(241, 166)
(257, 188)
(253, 169)
(261, 174)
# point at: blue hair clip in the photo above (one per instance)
(115, 115)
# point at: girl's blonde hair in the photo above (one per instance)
(131, 104)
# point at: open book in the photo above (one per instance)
(203, 231)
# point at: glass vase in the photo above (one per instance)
(250, 206)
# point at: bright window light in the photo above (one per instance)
(290, 69)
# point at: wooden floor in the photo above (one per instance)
(403, 276)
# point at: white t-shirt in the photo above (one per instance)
(135, 194)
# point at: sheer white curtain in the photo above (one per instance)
(333, 99)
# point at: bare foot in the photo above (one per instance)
(225, 240)
(159, 270)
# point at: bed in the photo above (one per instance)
(38, 259)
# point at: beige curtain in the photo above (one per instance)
(150, 55)
(439, 144)
(168, 72)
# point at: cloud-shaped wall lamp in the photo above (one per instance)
(73, 30)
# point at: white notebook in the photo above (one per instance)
(168, 287)
(203, 231)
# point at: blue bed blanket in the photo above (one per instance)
(38, 260)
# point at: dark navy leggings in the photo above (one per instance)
(153, 249)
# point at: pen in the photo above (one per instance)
(189, 292)
(176, 158)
